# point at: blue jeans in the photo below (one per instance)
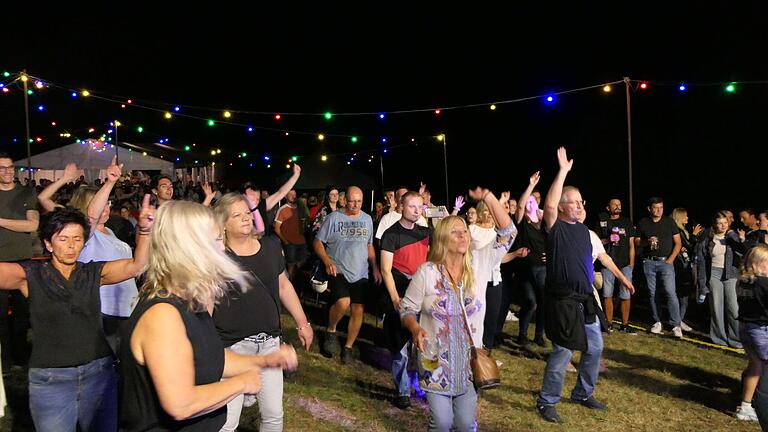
(400, 370)
(60, 399)
(667, 271)
(723, 307)
(589, 368)
(609, 281)
(455, 413)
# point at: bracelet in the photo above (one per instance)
(304, 326)
(141, 231)
(485, 195)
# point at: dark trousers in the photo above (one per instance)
(532, 284)
(14, 323)
(492, 305)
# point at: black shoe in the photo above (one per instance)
(523, 341)
(402, 402)
(539, 340)
(548, 413)
(627, 329)
(591, 403)
(346, 355)
(330, 345)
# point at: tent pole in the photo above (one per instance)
(26, 118)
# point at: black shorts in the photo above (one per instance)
(356, 291)
(295, 253)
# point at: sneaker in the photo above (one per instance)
(346, 355)
(685, 327)
(402, 402)
(603, 369)
(249, 400)
(330, 345)
(499, 363)
(591, 403)
(522, 340)
(610, 328)
(539, 340)
(746, 413)
(656, 329)
(677, 332)
(625, 328)
(548, 413)
(511, 317)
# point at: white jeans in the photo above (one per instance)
(270, 397)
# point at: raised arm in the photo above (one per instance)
(253, 205)
(556, 190)
(208, 191)
(521, 203)
(46, 196)
(275, 198)
(499, 214)
(99, 201)
(117, 271)
(12, 276)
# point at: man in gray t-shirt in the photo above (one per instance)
(345, 245)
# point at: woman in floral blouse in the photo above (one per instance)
(440, 291)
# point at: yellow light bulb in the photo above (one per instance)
(213, 152)
(440, 137)
(607, 89)
(323, 158)
(144, 154)
(287, 165)
(321, 137)
(218, 151)
(168, 115)
(117, 123)
(86, 93)
(493, 107)
(24, 77)
(227, 114)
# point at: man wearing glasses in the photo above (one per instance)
(18, 218)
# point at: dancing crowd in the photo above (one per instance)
(155, 304)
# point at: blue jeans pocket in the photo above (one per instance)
(40, 376)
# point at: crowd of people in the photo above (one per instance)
(176, 288)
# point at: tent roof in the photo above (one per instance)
(87, 158)
(319, 175)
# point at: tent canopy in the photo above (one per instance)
(51, 164)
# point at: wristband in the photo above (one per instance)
(303, 327)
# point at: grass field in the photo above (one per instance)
(653, 384)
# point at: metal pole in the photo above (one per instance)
(629, 152)
(445, 167)
(381, 167)
(26, 118)
(117, 147)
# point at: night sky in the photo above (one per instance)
(703, 149)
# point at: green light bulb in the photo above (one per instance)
(186, 148)
(730, 88)
(328, 116)
(211, 122)
(140, 129)
(294, 158)
(354, 139)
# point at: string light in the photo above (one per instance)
(328, 116)
(643, 85)
(607, 88)
(5, 90)
(139, 129)
(437, 111)
(323, 158)
(168, 115)
(24, 77)
(186, 148)
(294, 158)
(227, 114)
(353, 139)
(176, 109)
(730, 88)
(384, 140)
(40, 108)
(211, 123)
(85, 93)
(277, 117)
(39, 84)
(250, 129)
(550, 100)
(320, 137)
(682, 87)
(381, 116)
(218, 151)
(493, 107)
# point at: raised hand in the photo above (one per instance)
(504, 196)
(478, 193)
(534, 180)
(562, 159)
(207, 189)
(71, 173)
(459, 203)
(114, 171)
(422, 188)
(146, 216)
(296, 169)
(697, 230)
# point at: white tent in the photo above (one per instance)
(91, 162)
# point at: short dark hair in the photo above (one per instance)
(750, 211)
(764, 212)
(156, 180)
(249, 185)
(55, 221)
(655, 200)
(4, 155)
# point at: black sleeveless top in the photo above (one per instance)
(140, 408)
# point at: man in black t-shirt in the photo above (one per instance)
(618, 236)
(571, 308)
(404, 248)
(661, 243)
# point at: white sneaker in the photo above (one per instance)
(685, 327)
(677, 332)
(656, 329)
(746, 413)
(499, 363)
(511, 317)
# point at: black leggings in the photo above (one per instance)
(492, 306)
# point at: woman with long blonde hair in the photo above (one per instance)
(172, 360)
(684, 269)
(445, 290)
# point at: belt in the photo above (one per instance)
(259, 338)
(656, 258)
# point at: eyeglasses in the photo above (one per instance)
(7, 168)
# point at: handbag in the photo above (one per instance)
(485, 371)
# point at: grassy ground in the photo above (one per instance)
(654, 384)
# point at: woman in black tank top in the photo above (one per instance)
(172, 360)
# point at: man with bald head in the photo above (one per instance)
(345, 245)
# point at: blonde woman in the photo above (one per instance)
(684, 269)
(752, 292)
(442, 290)
(172, 360)
(249, 322)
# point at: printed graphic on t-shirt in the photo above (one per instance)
(351, 230)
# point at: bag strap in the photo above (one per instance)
(463, 310)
